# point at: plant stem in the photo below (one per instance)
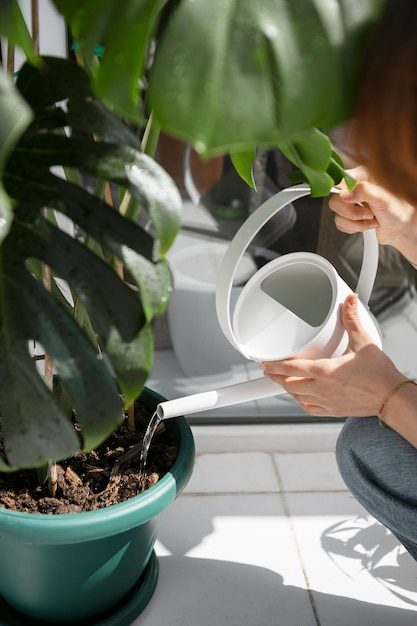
(52, 479)
(125, 203)
(118, 265)
(49, 364)
(49, 380)
(150, 137)
(131, 417)
(10, 59)
(46, 271)
(148, 146)
(103, 187)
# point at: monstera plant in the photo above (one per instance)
(227, 76)
(34, 426)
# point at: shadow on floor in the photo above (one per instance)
(205, 592)
(378, 551)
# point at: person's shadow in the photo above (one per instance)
(195, 591)
(205, 592)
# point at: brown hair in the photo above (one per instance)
(384, 125)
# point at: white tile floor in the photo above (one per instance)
(261, 538)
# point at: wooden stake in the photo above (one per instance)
(49, 380)
(35, 24)
(118, 266)
(10, 60)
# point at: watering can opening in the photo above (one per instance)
(303, 289)
(285, 306)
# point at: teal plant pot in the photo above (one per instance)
(66, 568)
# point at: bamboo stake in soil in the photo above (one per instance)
(49, 380)
(118, 266)
(46, 272)
(10, 60)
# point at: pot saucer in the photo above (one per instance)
(123, 614)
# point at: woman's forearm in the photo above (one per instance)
(407, 246)
(400, 413)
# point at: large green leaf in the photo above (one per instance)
(147, 181)
(15, 115)
(34, 427)
(134, 248)
(29, 312)
(35, 431)
(233, 74)
(125, 33)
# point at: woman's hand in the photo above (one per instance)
(395, 221)
(353, 384)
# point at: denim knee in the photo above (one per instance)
(348, 451)
(380, 469)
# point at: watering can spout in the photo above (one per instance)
(225, 396)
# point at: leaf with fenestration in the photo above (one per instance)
(34, 428)
(234, 75)
(144, 178)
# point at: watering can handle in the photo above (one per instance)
(247, 233)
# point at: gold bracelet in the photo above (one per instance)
(392, 393)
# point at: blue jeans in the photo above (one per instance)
(380, 469)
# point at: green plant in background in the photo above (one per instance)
(227, 76)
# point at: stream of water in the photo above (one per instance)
(147, 438)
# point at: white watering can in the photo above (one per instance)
(289, 308)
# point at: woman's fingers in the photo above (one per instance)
(361, 209)
(302, 390)
(296, 386)
(349, 210)
(318, 411)
(349, 226)
(303, 368)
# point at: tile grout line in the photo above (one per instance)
(292, 530)
(267, 451)
(258, 492)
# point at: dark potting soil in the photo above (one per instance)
(94, 480)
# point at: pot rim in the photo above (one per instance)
(88, 525)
